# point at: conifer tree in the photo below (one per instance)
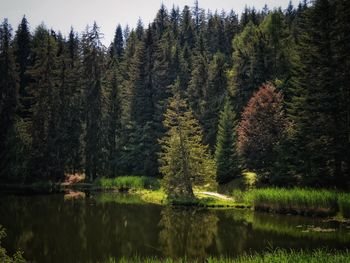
(71, 97)
(214, 94)
(113, 121)
(184, 160)
(46, 162)
(10, 140)
(22, 45)
(228, 164)
(118, 43)
(92, 73)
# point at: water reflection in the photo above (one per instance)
(187, 232)
(55, 228)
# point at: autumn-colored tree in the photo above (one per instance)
(261, 129)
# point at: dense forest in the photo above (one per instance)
(264, 91)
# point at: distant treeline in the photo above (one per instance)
(68, 104)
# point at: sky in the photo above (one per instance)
(60, 15)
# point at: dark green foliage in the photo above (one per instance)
(118, 43)
(22, 44)
(228, 164)
(69, 105)
(46, 161)
(214, 94)
(92, 74)
(10, 142)
(320, 97)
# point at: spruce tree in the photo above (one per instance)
(228, 164)
(184, 160)
(118, 43)
(22, 44)
(93, 63)
(10, 140)
(45, 163)
(214, 94)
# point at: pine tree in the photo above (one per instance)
(187, 35)
(228, 164)
(92, 74)
(113, 115)
(9, 137)
(319, 115)
(71, 97)
(118, 43)
(22, 45)
(46, 163)
(243, 77)
(184, 160)
(214, 94)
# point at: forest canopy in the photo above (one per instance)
(68, 104)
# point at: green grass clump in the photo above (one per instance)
(344, 204)
(276, 256)
(152, 196)
(128, 182)
(296, 200)
(281, 255)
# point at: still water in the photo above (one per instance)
(95, 227)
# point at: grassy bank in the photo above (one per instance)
(277, 256)
(315, 202)
(149, 190)
(128, 182)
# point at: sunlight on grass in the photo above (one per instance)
(296, 200)
(128, 182)
(274, 256)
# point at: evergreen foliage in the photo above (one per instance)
(71, 105)
(228, 164)
(184, 160)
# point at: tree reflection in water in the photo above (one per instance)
(187, 232)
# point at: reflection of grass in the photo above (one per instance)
(276, 256)
(128, 182)
(159, 197)
(297, 200)
(296, 226)
(118, 198)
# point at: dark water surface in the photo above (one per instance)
(95, 227)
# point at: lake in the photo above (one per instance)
(93, 227)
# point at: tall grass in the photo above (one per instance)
(296, 200)
(344, 204)
(128, 182)
(276, 256)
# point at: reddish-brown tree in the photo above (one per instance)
(261, 129)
